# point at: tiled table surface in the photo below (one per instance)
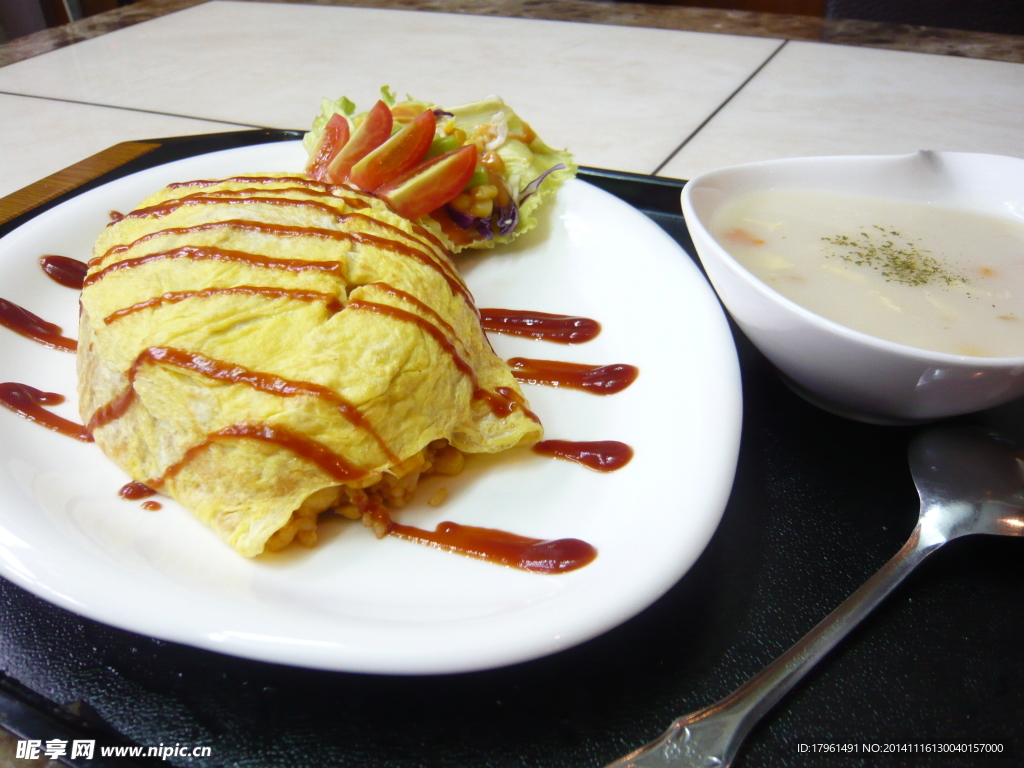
(643, 99)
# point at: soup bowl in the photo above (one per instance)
(843, 370)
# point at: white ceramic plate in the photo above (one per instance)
(355, 603)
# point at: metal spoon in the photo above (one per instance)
(969, 481)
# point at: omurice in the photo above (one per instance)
(265, 348)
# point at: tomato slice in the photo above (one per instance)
(430, 184)
(406, 111)
(334, 137)
(371, 133)
(397, 155)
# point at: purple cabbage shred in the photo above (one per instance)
(508, 218)
(464, 220)
(534, 185)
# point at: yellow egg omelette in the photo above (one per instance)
(264, 348)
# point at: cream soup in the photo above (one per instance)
(933, 277)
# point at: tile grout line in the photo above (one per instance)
(718, 109)
(131, 109)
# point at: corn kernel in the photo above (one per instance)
(462, 203)
(484, 192)
(482, 208)
(502, 198)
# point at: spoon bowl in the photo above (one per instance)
(969, 481)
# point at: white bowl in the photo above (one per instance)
(840, 369)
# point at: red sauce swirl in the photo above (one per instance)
(596, 379)
(408, 246)
(173, 297)
(311, 450)
(537, 555)
(600, 455)
(135, 490)
(295, 180)
(232, 373)
(561, 329)
(301, 184)
(23, 322)
(219, 254)
(502, 401)
(431, 329)
(28, 402)
(63, 270)
(336, 190)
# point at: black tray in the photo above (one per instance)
(818, 505)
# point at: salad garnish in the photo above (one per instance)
(475, 173)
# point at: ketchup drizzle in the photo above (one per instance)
(432, 259)
(426, 309)
(63, 270)
(234, 374)
(299, 180)
(304, 189)
(600, 455)
(536, 555)
(28, 402)
(598, 380)
(316, 452)
(561, 329)
(169, 206)
(408, 317)
(300, 184)
(218, 254)
(502, 401)
(135, 490)
(172, 297)
(21, 321)
(305, 181)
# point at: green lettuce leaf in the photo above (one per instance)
(523, 161)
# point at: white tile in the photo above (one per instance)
(619, 97)
(39, 137)
(816, 99)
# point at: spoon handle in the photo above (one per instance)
(712, 736)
